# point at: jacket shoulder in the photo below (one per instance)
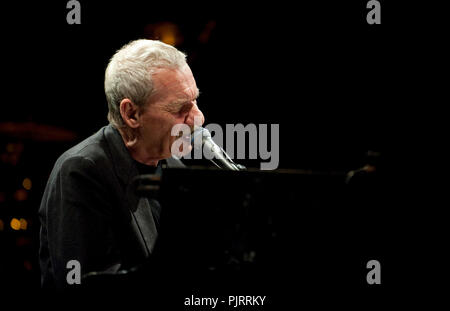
(91, 151)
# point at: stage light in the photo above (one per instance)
(10, 148)
(23, 224)
(15, 224)
(20, 195)
(27, 265)
(26, 183)
(2, 225)
(166, 32)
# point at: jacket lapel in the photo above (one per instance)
(139, 211)
(142, 219)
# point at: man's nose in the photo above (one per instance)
(195, 117)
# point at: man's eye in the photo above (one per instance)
(186, 108)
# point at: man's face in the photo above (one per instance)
(173, 102)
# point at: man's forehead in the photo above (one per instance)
(171, 75)
(176, 82)
(184, 97)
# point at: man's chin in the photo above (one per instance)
(180, 147)
(177, 154)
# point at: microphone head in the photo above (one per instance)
(200, 134)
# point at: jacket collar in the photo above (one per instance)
(123, 162)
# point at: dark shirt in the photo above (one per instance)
(147, 169)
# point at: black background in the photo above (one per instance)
(337, 86)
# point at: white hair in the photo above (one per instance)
(129, 73)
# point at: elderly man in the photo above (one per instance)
(89, 212)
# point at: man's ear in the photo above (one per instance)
(130, 113)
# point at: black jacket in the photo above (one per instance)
(90, 212)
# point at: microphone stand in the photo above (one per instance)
(231, 165)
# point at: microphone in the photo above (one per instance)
(201, 140)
